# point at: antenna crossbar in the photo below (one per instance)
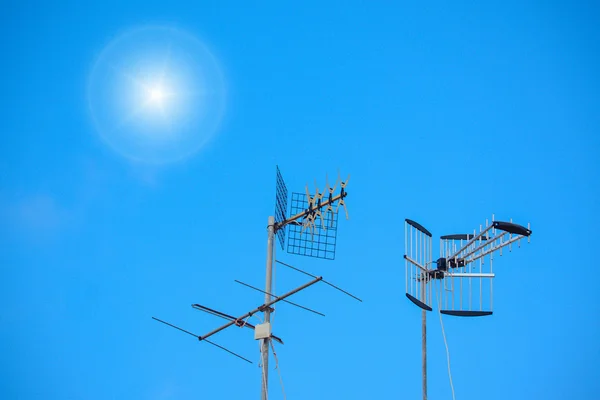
(470, 242)
(310, 210)
(416, 264)
(482, 246)
(494, 248)
(261, 308)
(285, 301)
(230, 318)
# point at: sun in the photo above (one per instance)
(155, 95)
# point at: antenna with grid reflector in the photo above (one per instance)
(307, 212)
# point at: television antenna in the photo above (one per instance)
(463, 272)
(307, 238)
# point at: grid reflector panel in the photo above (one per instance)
(280, 206)
(319, 242)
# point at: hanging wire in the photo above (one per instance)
(278, 370)
(446, 344)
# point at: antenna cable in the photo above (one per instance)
(439, 301)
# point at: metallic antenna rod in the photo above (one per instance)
(304, 213)
(324, 281)
(285, 301)
(264, 351)
(261, 308)
(230, 318)
(207, 341)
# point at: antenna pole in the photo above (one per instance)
(424, 339)
(267, 313)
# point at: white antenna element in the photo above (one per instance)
(330, 205)
(315, 205)
(342, 202)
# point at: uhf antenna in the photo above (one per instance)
(314, 220)
(313, 229)
(464, 270)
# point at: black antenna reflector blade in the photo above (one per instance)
(460, 313)
(418, 226)
(512, 228)
(418, 302)
(461, 237)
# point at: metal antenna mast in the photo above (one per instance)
(461, 271)
(306, 238)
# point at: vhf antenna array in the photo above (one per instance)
(464, 270)
(313, 230)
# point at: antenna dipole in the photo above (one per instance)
(306, 210)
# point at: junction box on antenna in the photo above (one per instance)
(262, 331)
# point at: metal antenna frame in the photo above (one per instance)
(276, 227)
(472, 247)
(308, 218)
(306, 236)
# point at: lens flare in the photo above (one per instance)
(156, 94)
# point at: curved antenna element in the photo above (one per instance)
(418, 226)
(512, 228)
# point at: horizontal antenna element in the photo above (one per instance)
(324, 281)
(262, 307)
(230, 318)
(285, 301)
(199, 338)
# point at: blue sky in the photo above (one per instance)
(442, 113)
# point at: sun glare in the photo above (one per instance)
(156, 94)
